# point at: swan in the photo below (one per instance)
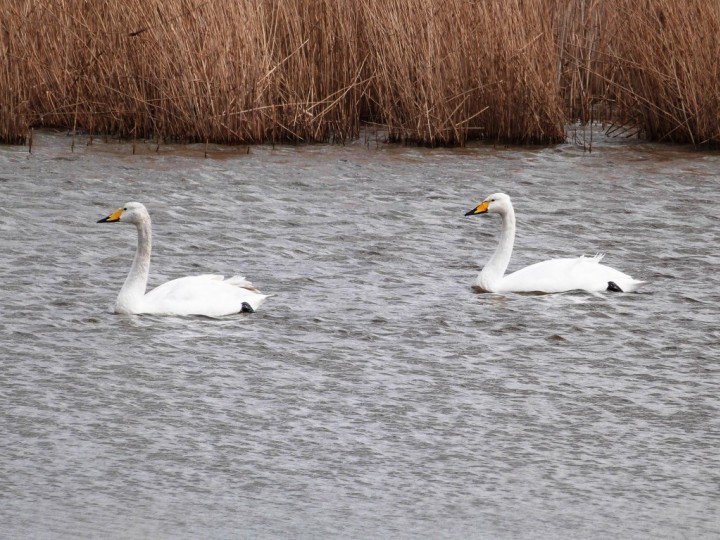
(209, 295)
(553, 276)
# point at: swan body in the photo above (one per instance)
(552, 276)
(209, 295)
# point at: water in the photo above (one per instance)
(375, 395)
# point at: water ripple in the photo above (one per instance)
(375, 394)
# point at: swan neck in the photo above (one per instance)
(495, 269)
(134, 287)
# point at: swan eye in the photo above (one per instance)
(492, 200)
(125, 209)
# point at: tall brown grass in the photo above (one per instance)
(665, 77)
(444, 72)
(425, 71)
(648, 65)
(249, 71)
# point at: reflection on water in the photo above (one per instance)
(375, 394)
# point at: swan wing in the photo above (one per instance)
(560, 275)
(211, 295)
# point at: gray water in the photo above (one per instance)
(375, 394)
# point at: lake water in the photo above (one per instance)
(375, 394)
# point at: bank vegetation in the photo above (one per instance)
(422, 71)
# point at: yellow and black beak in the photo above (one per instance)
(482, 208)
(115, 216)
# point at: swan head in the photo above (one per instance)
(132, 212)
(497, 203)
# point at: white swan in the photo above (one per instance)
(209, 295)
(553, 276)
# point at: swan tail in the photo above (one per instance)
(242, 282)
(631, 285)
(594, 258)
(254, 300)
(237, 281)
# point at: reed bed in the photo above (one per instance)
(665, 78)
(192, 71)
(424, 71)
(444, 72)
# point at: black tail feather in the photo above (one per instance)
(613, 287)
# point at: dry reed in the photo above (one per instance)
(426, 71)
(650, 66)
(664, 77)
(194, 71)
(443, 72)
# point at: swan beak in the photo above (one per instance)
(115, 216)
(479, 209)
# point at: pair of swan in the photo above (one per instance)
(214, 296)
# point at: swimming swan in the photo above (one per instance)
(553, 276)
(209, 295)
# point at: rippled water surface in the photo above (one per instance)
(375, 394)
